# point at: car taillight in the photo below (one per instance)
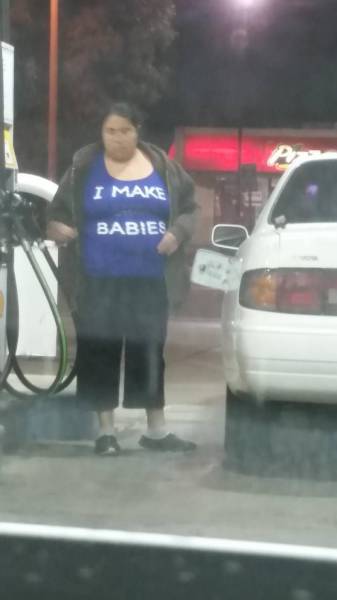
(299, 291)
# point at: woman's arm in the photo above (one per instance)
(60, 226)
(60, 232)
(184, 224)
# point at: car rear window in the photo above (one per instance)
(310, 195)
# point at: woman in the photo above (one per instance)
(131, 211)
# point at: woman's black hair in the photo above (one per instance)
(126, 110)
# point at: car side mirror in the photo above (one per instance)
(229, 237)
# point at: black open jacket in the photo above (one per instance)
(67, 204)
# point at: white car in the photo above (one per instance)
(279, 318)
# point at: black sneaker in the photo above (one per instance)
(107, 445)
(170, 443)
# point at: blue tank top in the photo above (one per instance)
(123, 223)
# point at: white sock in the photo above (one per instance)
(106, 431)
(159, 433)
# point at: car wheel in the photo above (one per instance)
(247, 443)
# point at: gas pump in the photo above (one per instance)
(19, 226)
(8, 169)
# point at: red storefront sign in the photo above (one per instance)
(211, 152)
(270, 153)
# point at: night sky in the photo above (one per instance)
(273, 64)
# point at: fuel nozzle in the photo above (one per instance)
(6, 223)
(10, 201)
(18, 219)
(17, 201)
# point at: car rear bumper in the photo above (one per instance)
(294, 359)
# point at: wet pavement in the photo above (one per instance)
(58, 481)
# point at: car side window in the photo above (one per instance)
(310, 195)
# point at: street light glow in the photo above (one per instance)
(246, 3)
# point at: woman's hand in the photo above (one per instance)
(61, 233)
(168, 244)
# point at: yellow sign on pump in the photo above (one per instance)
(10, 158)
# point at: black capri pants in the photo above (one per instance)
(113, 311)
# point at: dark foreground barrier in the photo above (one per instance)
(61, 563)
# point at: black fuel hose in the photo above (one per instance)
(6, 369)
(60, 376)
(12, 363)
(12, 331)
(73, 372)
(12, 340)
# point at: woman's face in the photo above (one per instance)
(119, 138)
